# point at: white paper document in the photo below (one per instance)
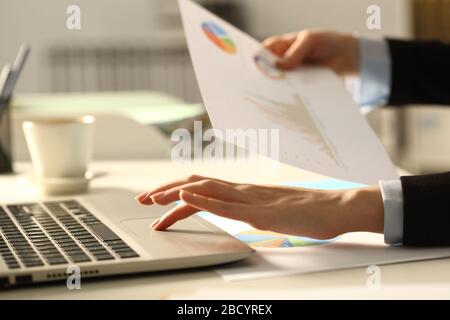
(281, 255)
(320, 127)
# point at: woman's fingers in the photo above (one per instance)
(182, 211)
(277, 47)
(232, 210)
(146, 197)
(208, 188)
(141, 196)
(196, 202)
(279, 44)
(297, 53)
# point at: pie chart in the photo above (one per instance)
(218, 36)
(268, 239)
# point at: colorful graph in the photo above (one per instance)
(267, 68)
(268, 239)
(219, 37)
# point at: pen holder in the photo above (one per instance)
(5, 137)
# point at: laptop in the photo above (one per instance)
(102, 234)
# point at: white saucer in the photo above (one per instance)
(63, 186)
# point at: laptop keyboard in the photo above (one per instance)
(56, 233)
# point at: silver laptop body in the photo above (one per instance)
(102, 234)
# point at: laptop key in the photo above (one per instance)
(68, 244)
(33, 264)
(57, 260)
(123, 250)
(128, 254)
(103, 232)
(13, 265)
(75, 250)
(80, 258)
(105, 256)
(99, 251)
(94, 247)
(119, 247)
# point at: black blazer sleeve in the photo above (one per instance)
(420, 72)
(421, 75)
(426, 210)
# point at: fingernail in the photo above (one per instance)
(157, 225)
(141, 197)
(154, 223)
(158, 195)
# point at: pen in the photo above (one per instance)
(15, 71)
(4, 76)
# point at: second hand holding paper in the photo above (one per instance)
(320, 127)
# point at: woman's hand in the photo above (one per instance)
(339, 52)
(313, 213)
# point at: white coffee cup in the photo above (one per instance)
(60, 149)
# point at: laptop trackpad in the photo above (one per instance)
(140, 227)
(185, 238)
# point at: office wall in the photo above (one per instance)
(154, 23)
(42, 24)
(266, 17)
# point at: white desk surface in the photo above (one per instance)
(427, 279)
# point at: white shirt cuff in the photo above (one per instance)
(392, 194)
(373, 86)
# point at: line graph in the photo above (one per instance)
(295, 117)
